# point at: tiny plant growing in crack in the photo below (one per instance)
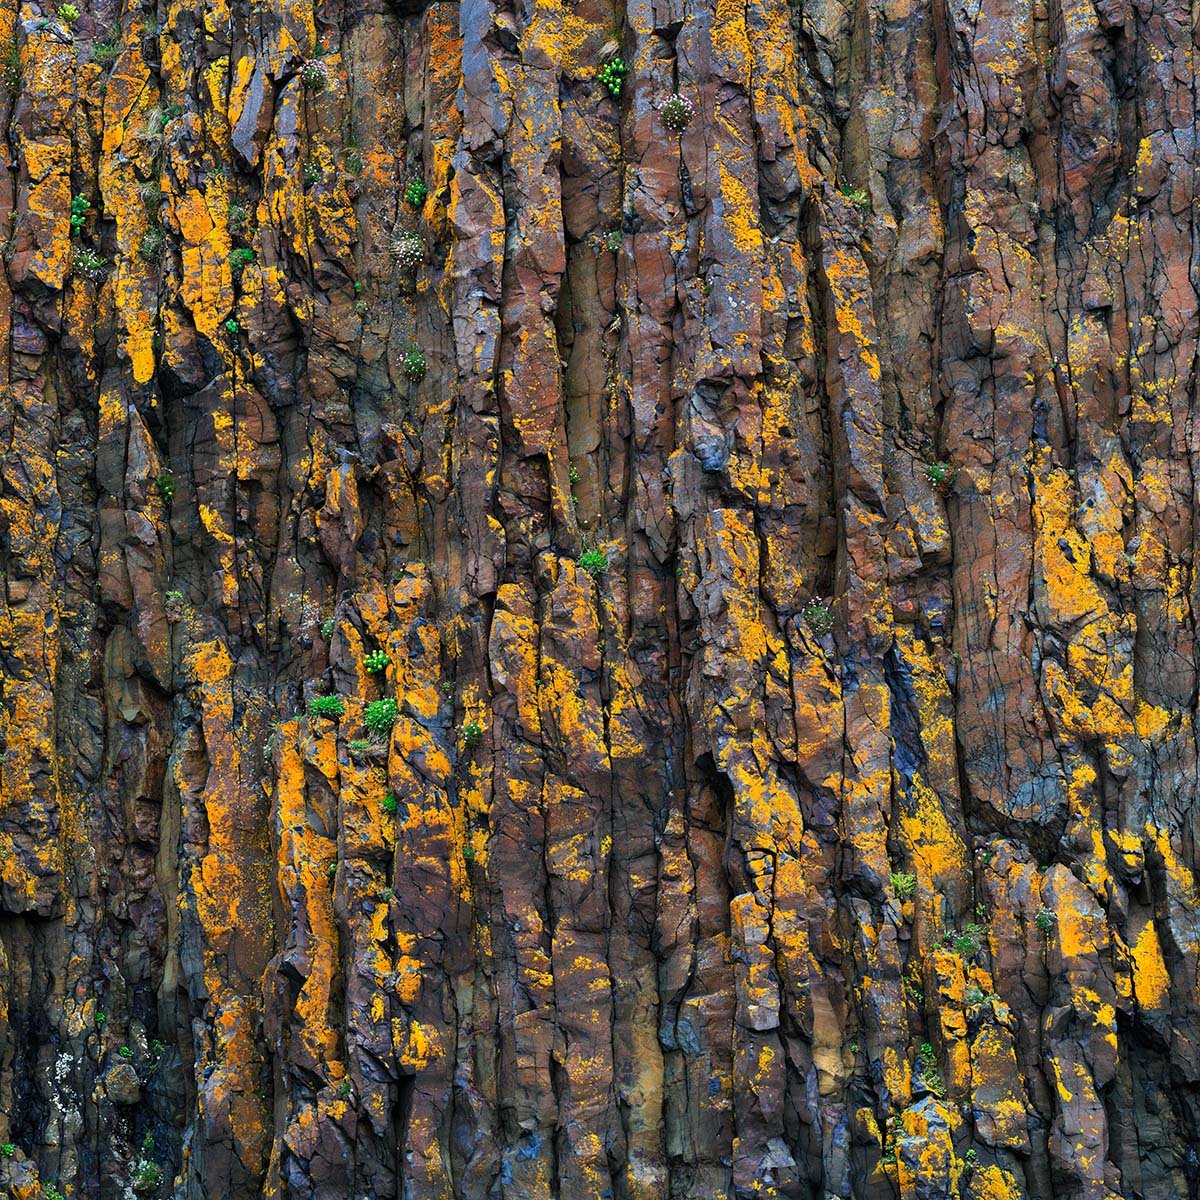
(380, 715)
(315, 75)
(409, 250)
(326, 706)
(413, 364)
(819, 617)
(857, 197)
(415, 192)
(594, 562)
(941, 476)
(612, 75)
(79, 210)
(677, 112)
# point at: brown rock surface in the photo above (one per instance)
(779, 542)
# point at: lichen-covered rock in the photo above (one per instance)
(765, 476)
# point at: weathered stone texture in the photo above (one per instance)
(785, 565)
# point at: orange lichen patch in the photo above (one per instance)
(1182, 885)
(206, 286)
(849, 286)
(1063, 581)
(938, 853)
(1151, 982)
(418, 1045)
(739, 213)
(934, 708)
(997, 1095)
(924, 1146)
(993, 1183)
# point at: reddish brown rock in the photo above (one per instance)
(776, 536)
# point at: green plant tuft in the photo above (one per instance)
(146, 1177)
(166, 485)
(241, 258)
(106, 51)
(232, 326)
(326, 706)
(151, 246)
(594, 562)
(126, 1053)
(315, 75)
(390, 805)
(380, 715)
(677, 112)
(941, 476)
(68, 14)
(1045, 919)
(819, 617)
(904, 884)
(415, 192)
(856, 196)
(968, 942)
(413, 364)
(472, 734)
(80, 205)
(376, 661)
(612, 75)
(7, 1149)
(89, 264)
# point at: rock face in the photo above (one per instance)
(779, 539)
